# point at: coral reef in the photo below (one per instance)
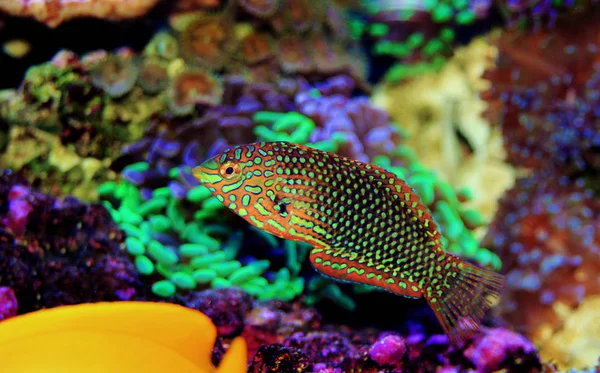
(55, 12)
(441, 114)
(547, 234)
(544, 94)
(62, 127)
(172, 223)
(60, 251)
(421, 36)
(97, 102)
(310, 40)
(287, 337)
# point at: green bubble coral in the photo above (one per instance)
(184, 250)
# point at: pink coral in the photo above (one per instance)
(55, 12)
(489, 351)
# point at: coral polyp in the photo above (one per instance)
(207, 41)
(116, 74)
(257, 47)
(294, 56)
(193, 87)
(153, 76)
(260, 8)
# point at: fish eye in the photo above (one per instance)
(230, 170)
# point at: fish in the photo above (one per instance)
(365, 224)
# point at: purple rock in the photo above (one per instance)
(248, 105)
(488, 352)
(8, 303)
(388, 350)
(18, 214)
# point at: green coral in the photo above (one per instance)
(429, 31)
(206, 254)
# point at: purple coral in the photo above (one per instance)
(226, 308)
(366, 129)
(490, 351)
(55, 252)
(388, 350)
(8, 303)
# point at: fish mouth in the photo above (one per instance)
(207, 172)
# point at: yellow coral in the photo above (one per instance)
(577, 344)
(433, 109)
(115, 337)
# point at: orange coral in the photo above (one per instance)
(207, 41)
(257, 47)
(153, 76)
(54, 12)
(294, 55)
(195, 87)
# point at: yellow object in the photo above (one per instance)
(113, 338)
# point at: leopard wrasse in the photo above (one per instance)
(365, 225)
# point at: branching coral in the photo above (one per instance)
(441, 114)
(545, 93)
(56, 252)
(55, 12)
(547, 233)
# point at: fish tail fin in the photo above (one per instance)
(466, 295)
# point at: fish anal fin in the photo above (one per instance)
(343, 266)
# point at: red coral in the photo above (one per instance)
(547, 234)
(545, 94)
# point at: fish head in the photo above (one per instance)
(242, 179)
